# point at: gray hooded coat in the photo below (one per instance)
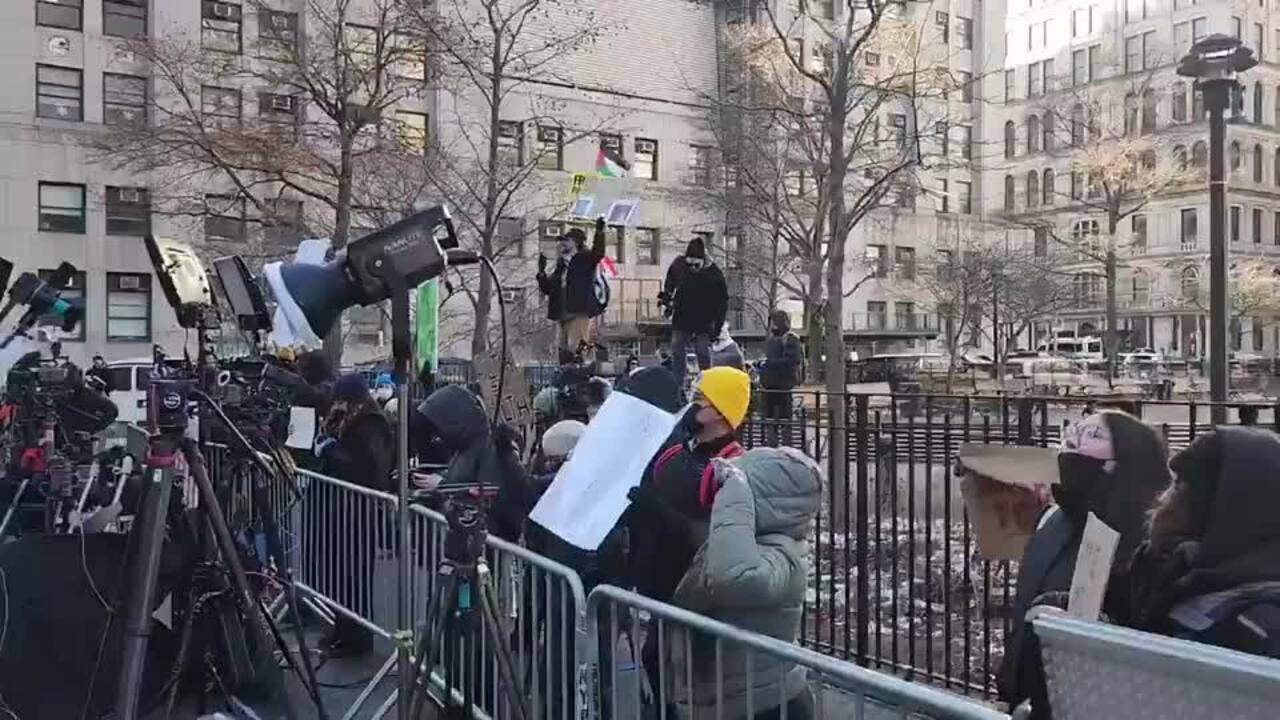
(751, 572)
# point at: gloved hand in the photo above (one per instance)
(726, 472)
(324, 442)
(600, 224)
(542, 264)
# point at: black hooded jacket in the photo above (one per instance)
(481, 456)
(1228, 565)
(699, 298)
(571, 286)
(364, 453)
(783, 356)
(1120, 499)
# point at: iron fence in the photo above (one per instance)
(896, 582)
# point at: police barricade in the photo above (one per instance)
(708, 669)
(1095, 670)
(541, 606)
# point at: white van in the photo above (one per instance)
(129, 380)
(1088, 347)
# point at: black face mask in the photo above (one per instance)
(1082, 487)
(690, 421)
(778, 330)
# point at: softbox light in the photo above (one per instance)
(312, 297)
(182, 278)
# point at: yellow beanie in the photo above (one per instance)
(729, 392)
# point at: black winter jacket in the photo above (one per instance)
(700, 298)
(364, 453)
(783, 357)
(571, 286)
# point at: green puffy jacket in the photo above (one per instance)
(752, 572)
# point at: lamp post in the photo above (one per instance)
(1214, 62)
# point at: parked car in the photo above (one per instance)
(129, 381)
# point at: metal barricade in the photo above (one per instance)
(344, 534)
(542, 606)
(1095, 670)
(706, 668)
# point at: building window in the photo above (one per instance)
(617, 244)
(1080, 23)
(1199, 28)
(1077, 185)
(1199, 154)
(277, 33)
(964, 196)
(1197, 103)
(877, 314)
(964, 31)
(1078, 68)
(1275, 234)
(1255, 228)
(220, 26)
(1138, 234)
(1077, 125)
(1190, 284)
(648, 246)
(128, 306)
(1257, 163)
(1010, 79)
(1133, 53)
(1034, 134)
(124, 18)
(413, 131)
(62, 208)
(550, 148)
(898, 126)
(275, 109)
(645, 165)
(699, 165)
(1040, 240)
(1237, 29)
(1033, 188)
(128, 211)
(511, 142)
(1148, 111)
(944, 197)
(1179, 98)
(1010, 193)
(1189, 227)
(1234, 230)
(965, 79)
(59, 93)
(224, 218)
(1141, 295)
(1233, 156)
(1258, 98)
(904, 315)
(124, 99)
(220, 107)
(74, 293)
(905, 259)
(65, 14)
(966, 141)
(943, 22)
(1035, 76)
(1095, 63)
(1047, 187)
(877, 260)
(942, 132)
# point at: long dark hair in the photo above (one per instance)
(1141, 474)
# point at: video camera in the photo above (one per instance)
(577, 390)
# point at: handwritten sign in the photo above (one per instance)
(1093, 569)
(589, 493)
(1005, 488)
(514, 407)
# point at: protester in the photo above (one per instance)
(100, 371)
(780, 373)
(1111, 465)
(751, 572)
(1211, 569)
(698, 297)
(671, 507)
(572, 299)
(356, 446)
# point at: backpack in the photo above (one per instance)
(706, 485)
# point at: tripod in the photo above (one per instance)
(243, 631)
(463, 575)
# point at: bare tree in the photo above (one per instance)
(958, 286)
(316, 110)
(1116, 166)
(499, 60)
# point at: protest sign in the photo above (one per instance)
(1004, 489)
(589, 493)
(1093, 569)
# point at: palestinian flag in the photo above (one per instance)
(609, 268)
(608, 164)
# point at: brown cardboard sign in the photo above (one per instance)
(1005, 488)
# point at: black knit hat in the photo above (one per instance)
(696, 249)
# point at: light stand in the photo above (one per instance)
(1214, 61)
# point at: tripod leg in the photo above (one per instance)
(493, 624)
(13, 506)
(275, 549)
(253, 612)
(146, 541)
(443, 602)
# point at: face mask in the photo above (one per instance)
(693, 263)
(567, 250)
(778, 329)
(1082, 485)
(690, 422)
